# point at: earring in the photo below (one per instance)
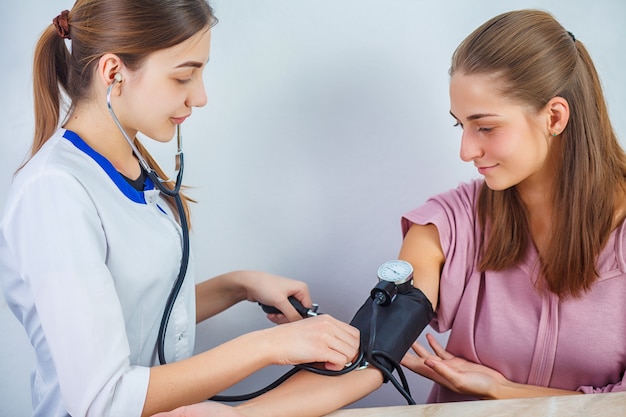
(555, 134)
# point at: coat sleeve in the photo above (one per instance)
(68, 301)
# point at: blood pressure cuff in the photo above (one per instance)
(397, 325)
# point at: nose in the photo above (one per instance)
(470, 147)
(197, 95)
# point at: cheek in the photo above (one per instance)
(521, 143)
(505, 145)
(154, 92)
(529, 154)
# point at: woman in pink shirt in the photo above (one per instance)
(525, 267)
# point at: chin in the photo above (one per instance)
(163, 135)
(497, 185)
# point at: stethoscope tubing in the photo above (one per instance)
(169, 305)
(182, 216)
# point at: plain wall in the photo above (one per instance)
(326, 121)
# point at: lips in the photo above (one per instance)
(179, 120)
(485, 169)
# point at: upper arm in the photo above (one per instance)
(422, 249)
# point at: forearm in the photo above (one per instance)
(310, 395)
(204, 375)
(219, 293)
(510, 390)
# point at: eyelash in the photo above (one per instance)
(185, 81)
(480, 129)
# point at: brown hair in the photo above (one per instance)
(536, 59)
(131, 29)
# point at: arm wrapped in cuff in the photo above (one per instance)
(397, 325)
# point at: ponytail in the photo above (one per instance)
(50, 74)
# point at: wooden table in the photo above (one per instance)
(588, 405)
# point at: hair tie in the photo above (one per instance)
(571, 35)
(62, 25)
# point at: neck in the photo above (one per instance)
(98, 129)
(536, 197)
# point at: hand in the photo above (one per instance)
(316, 339)
(204, 409)
(454, 373)
(274, 290)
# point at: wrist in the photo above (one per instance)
(507, 389)
(265, 344)
(503, 390)
(239, 284)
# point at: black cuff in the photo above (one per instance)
(397, 326)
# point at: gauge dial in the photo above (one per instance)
(396, 271)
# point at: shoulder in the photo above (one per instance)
(464, 196)
(56, 155)
(457, 204)
(466, 193)
(54, 174)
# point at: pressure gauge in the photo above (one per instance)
(396, 271)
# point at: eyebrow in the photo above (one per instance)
(192, 64)
(476, 116)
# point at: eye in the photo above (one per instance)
(458, 124)
(183, 77)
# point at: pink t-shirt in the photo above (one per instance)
(499, 319)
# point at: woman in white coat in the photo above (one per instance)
(90, 249)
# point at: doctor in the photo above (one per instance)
(90, 249)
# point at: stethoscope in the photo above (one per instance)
(175, 193)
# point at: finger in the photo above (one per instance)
(277, 318)
(417, 365)
(352, 334)
(347, 347)
(304, 297)
(421, 351)
(339, 329)
(337, 357)
(289, 312)
(431, 369)
(443, 370)
(411, 361)
(341, 339)
(437, 348)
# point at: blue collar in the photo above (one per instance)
(116, 177)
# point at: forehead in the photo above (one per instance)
(192, 52)
(476, 93)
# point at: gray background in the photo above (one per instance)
(326, 121)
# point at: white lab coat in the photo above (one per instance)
(86, 265)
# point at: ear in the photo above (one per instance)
(557, 111)
(108, 66)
